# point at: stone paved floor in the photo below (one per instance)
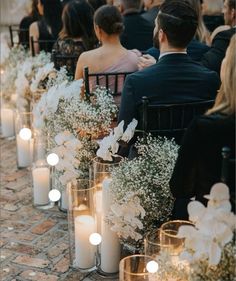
(33, 243)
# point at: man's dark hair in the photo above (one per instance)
(179, 22)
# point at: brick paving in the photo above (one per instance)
(33, 243)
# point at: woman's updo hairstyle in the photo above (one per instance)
(109, 19)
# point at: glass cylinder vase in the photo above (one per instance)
(170, 240)
(24, 139)
(41, 175)
(7, 120)
(109, 260)
(81, 224)
(138, 268)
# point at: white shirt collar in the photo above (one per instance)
(169, 53)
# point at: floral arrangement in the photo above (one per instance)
(9, 71)
(46, 77)
(25, 74)
(210, 244)
(109, 145)
(62, 112)
(142, 198)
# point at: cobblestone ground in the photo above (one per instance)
(33, 243)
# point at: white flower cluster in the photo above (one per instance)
(66, 149)
(214, 226)
(9, 72)
(25, 74)
(109, 145)
(125, 217)
(147, 177)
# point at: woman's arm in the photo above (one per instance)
(81, 63)
(34, 32)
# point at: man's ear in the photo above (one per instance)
(161, 35)
(233, 14)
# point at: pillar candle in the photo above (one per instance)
(24, 151)
(41, 185)
(7, 122)
(84, 251)
(98, 200)
(110, 246)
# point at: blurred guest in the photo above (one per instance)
(212, 14)
(48, 27)
(198, 166)
(111, 56)
(137, 31)
(97, 3)
(77, 34)
(213, 58)
(26, 22)
(202, 33)
(152, 8)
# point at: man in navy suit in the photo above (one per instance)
(175, 77)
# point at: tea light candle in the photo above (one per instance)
(24, 151)
(110, 246)
(41, 185)
(84, 251)
(98, 200)
(7, 122)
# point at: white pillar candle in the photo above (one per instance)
(24, 151)
(98, 200)
(84, 251)
(41, 185)
(110, 246)
(7, 122)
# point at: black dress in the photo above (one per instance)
(212, 22)
(198, 166)
(47, 39)
(66, 53)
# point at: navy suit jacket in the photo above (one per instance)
(195, 50)
(213, 58)
(174, 78)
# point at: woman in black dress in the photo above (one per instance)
(198, 166)
(48, 27)
(77, 34)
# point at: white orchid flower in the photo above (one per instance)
(195, 210)
(129, 132)
(63, 137)
(118, 131)
(219, 192)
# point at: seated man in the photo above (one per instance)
(175, 78)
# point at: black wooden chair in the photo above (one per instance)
(45, 45)
(112, 81)
(69, 61)
(21, 34)
(170, 120)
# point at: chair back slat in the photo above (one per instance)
(104, 79)
(169, 120)
(14, 31)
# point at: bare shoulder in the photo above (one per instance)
(87, 58)
(34, 30)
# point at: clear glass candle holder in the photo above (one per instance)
(138, 268)
(152, 244)
(169, 238)
(108, 260)
(41, 175)
(24, 139)
(81, 224)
